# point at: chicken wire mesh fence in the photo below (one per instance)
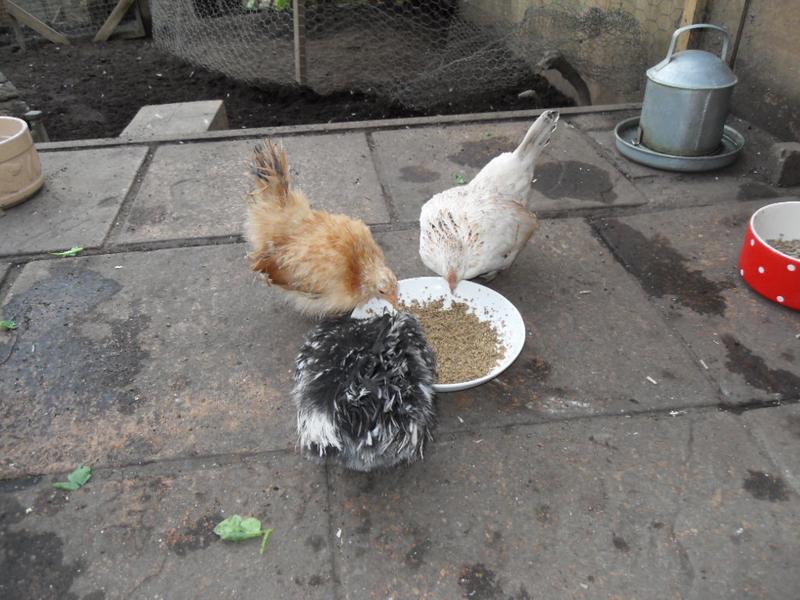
(72, 18)
(421, 53)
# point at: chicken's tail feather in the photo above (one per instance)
(538, 137)
(271, 169)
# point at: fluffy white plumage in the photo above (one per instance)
(478, 229)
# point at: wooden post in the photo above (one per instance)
(113, 20)
(693, 12)
(26, 18)
(300, 41)
(739, 31)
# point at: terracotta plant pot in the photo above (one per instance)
(20, 169)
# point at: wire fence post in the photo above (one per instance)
(300, 41)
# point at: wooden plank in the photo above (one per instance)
(300, 41)
(693, 12)
(26, 18)
(113, 20)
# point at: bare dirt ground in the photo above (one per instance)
(91, 90)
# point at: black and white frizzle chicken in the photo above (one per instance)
(364, 391)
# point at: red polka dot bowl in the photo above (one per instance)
(770, 272)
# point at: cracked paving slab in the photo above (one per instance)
(415, 164)
(593, 337)
(148, 533)
(600, 508)
(138, 356)
(200, 189)
(82, 193)
(686, 261)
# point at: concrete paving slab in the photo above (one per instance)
(600, 128)
(643, 507)
(148, 533)
(81, 196)
(777, 430)
(593, 337)
(133, 357)
(199, 190)
(746, 179)
(686, 260)
(415, 164)
(179, 118)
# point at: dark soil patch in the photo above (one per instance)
(91, 90)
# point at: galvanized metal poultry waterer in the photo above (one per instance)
(687, 99)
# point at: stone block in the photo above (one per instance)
(177, 119)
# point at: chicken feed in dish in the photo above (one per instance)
(790, 247)
(465, 347)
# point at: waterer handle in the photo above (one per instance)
(681, 30)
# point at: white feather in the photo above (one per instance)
(317, 428)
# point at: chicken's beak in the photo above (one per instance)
(392, 297)
(452, 281)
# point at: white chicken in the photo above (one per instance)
(478, 229)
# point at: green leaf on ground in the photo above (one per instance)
(237, 529)
(74, 251)
(76, 479)
(459, 179)
(7, 325)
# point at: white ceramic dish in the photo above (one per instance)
(501, 313)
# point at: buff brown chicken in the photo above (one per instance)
(326, 264)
